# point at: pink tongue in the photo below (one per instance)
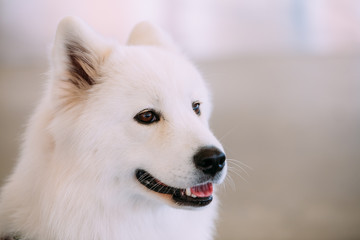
(204, 190)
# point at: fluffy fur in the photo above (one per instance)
(75, 177)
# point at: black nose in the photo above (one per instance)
(210, 160)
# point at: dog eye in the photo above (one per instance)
(147, 117)
(196, 107)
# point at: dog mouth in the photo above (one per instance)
(196, 196)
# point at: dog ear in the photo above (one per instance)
(78, 53)
(145, 33)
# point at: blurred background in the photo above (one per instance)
(285, 76)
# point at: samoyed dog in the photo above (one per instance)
(119, 147)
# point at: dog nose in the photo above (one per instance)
(210, 160)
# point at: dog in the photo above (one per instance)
(119, 146)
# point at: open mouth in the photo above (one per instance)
(196, 196)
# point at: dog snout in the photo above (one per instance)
(209, 160)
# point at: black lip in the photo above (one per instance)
(178, 194)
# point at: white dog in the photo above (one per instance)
(119, 147)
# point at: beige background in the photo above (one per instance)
(287, 104)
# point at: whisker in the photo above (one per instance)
(239, 162)
(162, 187)
(168, 191)
(232, 170)
(235, 165)
(231, 182)
(142, 177)
(228, 132)
(155, 186)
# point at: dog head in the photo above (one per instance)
(134, 117)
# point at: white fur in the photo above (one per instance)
(75, 176)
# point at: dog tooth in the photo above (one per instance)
(188, 192)
(194, 196)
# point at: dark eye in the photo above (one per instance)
(196, 107)
(147, 117)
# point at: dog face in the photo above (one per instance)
(139, 113)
